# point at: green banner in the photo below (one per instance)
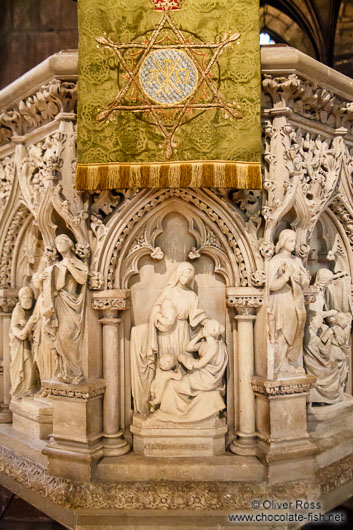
(169, 94)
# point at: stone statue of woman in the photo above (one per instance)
(64, 288)
(287, 315)
(167, 333)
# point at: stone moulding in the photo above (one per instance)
(176, 496)
(282, 387)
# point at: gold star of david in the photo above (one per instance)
(163, 77)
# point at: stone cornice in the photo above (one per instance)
(284, 60)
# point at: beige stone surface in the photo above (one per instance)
(33, 417)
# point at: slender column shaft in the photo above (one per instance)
(246, 372)
(111, 374)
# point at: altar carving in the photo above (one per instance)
(23, 373)
(287, 280)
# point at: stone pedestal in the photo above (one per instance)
(283, 442)
(158, 438)
(33, 417)
(76, 444)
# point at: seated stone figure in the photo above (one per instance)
(325, 357)
(166, 370)
(23, 372)
(197, 395)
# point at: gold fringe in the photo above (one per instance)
(242, 175)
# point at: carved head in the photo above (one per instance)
(287, 240)
(26, 296)
(323, 277)
(341, 320)
(64, 244)
(213, 328)
(183, 275)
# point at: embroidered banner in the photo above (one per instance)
(169, 94)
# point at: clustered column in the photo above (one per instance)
(110, 303)
(245, 301)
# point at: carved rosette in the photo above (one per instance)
(245, 301)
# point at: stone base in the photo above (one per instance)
(331, 429)
(33, 417)
(76, 440)
(158, 438)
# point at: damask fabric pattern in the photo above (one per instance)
(169, 94)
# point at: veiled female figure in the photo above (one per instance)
(63, 310)
(150, 342)
(287, 314)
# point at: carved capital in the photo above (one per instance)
(8, 299)
(310, 294)
(245, 300)
(111, 300)
(283, 387)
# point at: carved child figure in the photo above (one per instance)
(23, 373)
(165, 371)
(165, 317)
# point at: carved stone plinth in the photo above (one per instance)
(76, 444)
(283, 442)
(158, 438)
(33, 417)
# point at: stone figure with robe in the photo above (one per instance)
(287, 279)
(23, 372)
(156, 347)
(62, 310)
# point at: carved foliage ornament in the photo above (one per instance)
(38, 109)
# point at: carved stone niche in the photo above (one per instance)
(176, 245)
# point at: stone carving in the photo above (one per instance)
(308, 99)
(327, 336)
(167, 334)
(282, 387)
(64, 288)
(24, 381)
(326, 351)
(201, 203)
(286, 311)
(38, 109)
(7, 174)
(197, 395)
(12, 233)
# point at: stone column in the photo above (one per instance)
(8, 300)
(110, 303)
(245, 301)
